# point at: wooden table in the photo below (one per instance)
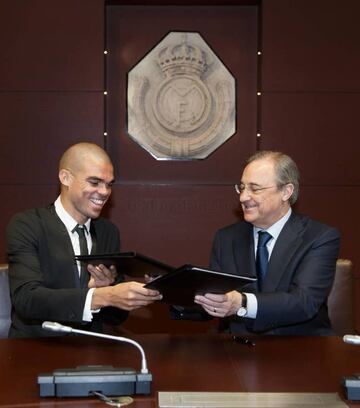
(181, 363)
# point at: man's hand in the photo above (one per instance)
(220, 305)
(101, 276)
(127, 296)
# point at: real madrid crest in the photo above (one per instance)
(181, 99)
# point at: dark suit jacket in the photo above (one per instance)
(44, 279)
(299, 277)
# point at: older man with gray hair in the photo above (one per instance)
(292, 256)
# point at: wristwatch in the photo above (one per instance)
(243, 308)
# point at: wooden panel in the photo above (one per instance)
(56, 45)
(171, 223)
(38, 127)
(183, 2)
(337, 206)
(310, 99)
(132, 32)
(318, 131)
(16, 198)
(310, 45)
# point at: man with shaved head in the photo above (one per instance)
(45, 282)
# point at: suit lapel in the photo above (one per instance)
(93, 237)
(244, 255)
(61, 243)
(286, 245)
(58, 230)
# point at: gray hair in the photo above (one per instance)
(286, 170)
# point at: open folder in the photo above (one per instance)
(181, 285)
(177, 285)
(129, 263)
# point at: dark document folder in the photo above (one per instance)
(181, 285)
(177, 285)
(128, 263)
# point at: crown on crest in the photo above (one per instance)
(182, 58)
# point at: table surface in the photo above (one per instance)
(181, 363)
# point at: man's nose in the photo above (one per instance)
(244, 196)
(104, 189)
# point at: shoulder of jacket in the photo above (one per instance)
(314, 225)
(237, 227)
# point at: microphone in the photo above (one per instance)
(78, 381)
(57, 327)
(351, 339)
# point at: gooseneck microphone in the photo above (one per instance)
(84, 380)
(351, 339)
(57, 327)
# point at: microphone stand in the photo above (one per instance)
(84, 380)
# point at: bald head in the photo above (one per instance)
(86, 175)
(76, 155)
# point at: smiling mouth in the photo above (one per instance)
(247, 207)
(98, 202)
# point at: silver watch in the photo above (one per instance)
(243, 308)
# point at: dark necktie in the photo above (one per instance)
(84, 275)
(262, 257)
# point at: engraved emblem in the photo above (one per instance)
(182, 104)
(181, 99)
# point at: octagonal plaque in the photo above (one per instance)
(181, 99)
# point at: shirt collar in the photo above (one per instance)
(276, 228)
(67, 219)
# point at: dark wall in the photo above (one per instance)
(167, 208)
(51, 95)
(170, 210)
(310, 105)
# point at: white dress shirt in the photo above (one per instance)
(70, 224)
(274, 231)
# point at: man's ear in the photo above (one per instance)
(65, 177)
(288, 189)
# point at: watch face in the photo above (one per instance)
(241, 312)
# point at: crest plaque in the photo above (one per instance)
(181, 99)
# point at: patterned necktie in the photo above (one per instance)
(262, 257)
(84, 275)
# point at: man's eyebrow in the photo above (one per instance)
(251, 184)
(94, 178)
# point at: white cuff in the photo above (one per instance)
(87, 312)
(251, 306)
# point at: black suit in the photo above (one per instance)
(44, 279)
(299, 277)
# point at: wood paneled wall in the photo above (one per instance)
(51, 95)
(310, 105)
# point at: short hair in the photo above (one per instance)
(76, 154)
(286, 170)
